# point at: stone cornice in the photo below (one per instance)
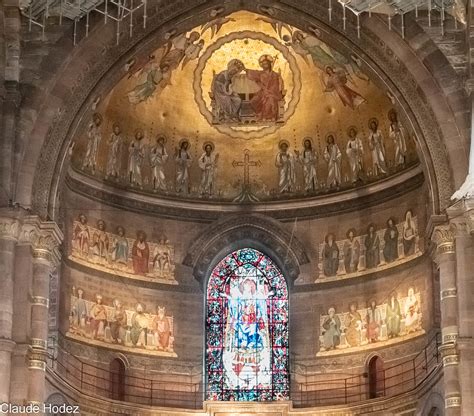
(182, 209)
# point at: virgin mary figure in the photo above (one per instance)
(247, 355)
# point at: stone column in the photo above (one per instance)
(445, 259)
(45, 238)
(9, 229)
(462, 220)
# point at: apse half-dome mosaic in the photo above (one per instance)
(245, 109)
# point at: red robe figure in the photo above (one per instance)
(265, 102)
(140, 254)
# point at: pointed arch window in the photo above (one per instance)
(247, 329)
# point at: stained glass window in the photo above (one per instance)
(247, 329)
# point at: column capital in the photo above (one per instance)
(44, 237)
(443, 237)
(461, 215)
(9, 228)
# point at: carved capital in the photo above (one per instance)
(443, 238)
(461, 216)
(44, 237)
(9, 228)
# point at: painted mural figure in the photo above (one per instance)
(208, 165)
(397, 134)
(336, 81)
(332, 330)
(139, 327)
(411, 312)
(265, 102)
(409, 234)
(140, 254)
(136, 157)
(79, 313)
(227, 101)
(94, 136)
(323, 55)
(393, 317)
(330, 256)
(114, 154)
(374, 321)
(390, 250)
(355, 154)
(162, 258)
(157, 74)
(120, 247)
(158, 159)
(377, 148)
(308, 158)
(118, 324)
(285, 162)
(161, 329)
(333, 157)
(353, 324)
(101, 241)
(98, 319)
(372, 248)
(183, 162)
(82, 236)
(351, 252)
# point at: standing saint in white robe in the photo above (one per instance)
(355, 152)
(158, 159)
(94, 136)
(115, 147)
(208, 166)
(397, 134)
(377, 149)
(285, 162)
(308, 158)
(333, 156)
(136, 156)
(183, 162)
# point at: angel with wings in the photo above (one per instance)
(335, 80)
(323, 55)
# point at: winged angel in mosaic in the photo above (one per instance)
(153, 76)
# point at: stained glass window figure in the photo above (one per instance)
(247, 329)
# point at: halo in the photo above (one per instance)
(210, 144)
(392, 111)
(139, 131)
(353, 232)
(307, 138)
(350, 128)
(97, 115)
(331, 133)
(182, 141)
(373, 119)
(161, 136)
(283, 141)
(266, 57)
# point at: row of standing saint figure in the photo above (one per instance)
(158, 157)
(308, 157)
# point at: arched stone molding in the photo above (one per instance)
(254, 231)
(123, 358)
(434, 401)
(60, 116)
